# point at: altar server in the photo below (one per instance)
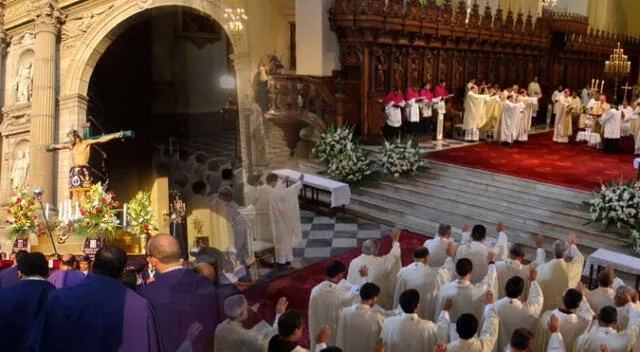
(66, 276)
(231, 336)
(437, 246)
(474, 114)
(327, 300)
(467, 297)
(393, 104)
(196, 301)
(507, 128)
(382, 270)
(558, 274)
(359, 325)
(627, 119)
(412, 109)
(574, 317)
(605, 293)
(605, 333)
(477, 250)
(10, 275)
(610, 121)
(427, 280)
(126, 320)
(426, 108)
(514, 313)
(441, 89)
(408, 332)
(20, 304)
(467, 327)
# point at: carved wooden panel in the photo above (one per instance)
(381, 67)
(415, 67)
(399, 68)
(430, 67)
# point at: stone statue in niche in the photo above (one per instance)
(261, 87)
(23, 82)
(20, 169)
(258, 135)
(381, 67)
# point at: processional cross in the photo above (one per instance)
(80, 178)
(626, 88)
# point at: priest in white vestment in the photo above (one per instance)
(232, 336)
(530, 106)
(610, 121)
(507, 128)
(574, 316)
(605, 293)
(557, 98)
(628, 120)
(562, 127)
(477, 250)
(382, 269)
(625, 306)
(327, 300)
(514, 313)
(359, 325)
(474, 114)
(558, 274)
(408, 332)
(284, 212)
(427, 280)
(467, 327)
(636, 115)
(513, 266)
(467, 297)
(605, 333)
(437, 246)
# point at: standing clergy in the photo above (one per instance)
(408, 332)
(412, 109)
(393, 104)
(559, 274)
(327, 300)
(605, 293)
(610, 121)
(636, 115)
(533, 90)
(530, 107)
(512, 266)
(562, 127)
(427, 280)
(232, 336)
(467, 297)
(574, 316)
(10, 275)
(20, 304)
(467, 327)
(359, 326)
(507, 127)
(440, 94)
(289, 333)
(474, 114)
(426, 108)
(557, 98)
(628, 120)
(437, 246)
(126, 320)
(197, 299)
(477, 250)
(67, 275)
(382, 270)
(284, 212)
(605, 333)
(514, 313)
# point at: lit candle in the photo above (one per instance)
(124, 216)
(46, 211)
(592, 82)
(602, 86)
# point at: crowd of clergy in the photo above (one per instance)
(474, 295)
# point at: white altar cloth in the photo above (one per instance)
(340, 192)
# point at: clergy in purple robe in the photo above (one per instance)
(180, 297)
(20, 304)
(113, 317)
(9, 276)
(67, 275)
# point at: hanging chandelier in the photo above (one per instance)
(617, 65)
(549, 4)
(235, 19)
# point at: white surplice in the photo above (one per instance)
(382, 272)
(477, 253)
(394, 114)
(515, 314)
(467, 297)
(507, 129)
(359, 328)
(616, 341)
(407, 332)
(284, 213)
(558, 103)
(611, 122)
(485, 340)
(509, 268)
(437, 247)
(325, 303)
(557, 275)
(530, 106)
(412, 110)
(427, 280)
(571, 326)
(603, 296)
(474, 115)
(232, 336)
(626, 118)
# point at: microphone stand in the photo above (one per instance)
(46, 222)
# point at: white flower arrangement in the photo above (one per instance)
(618, 205)
(346, 161)
(398, 158)
(333, 142)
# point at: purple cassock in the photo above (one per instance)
(180, 298)
(64, 278)
(20, 306)
(9, 276)
(99, 314)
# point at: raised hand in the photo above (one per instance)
(364, 271)
(573, 239)
(466, 228)
(447, 305)
(489, 298)
(604, 348)
(440, 347)
(581, 288)
(395, 235)
(491, 256)
(554, 323)
(539, 241)
(282, 305)
(500, 227)
(379, 345)
(323, 335)
(533, 273)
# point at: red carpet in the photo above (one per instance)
(542, 160)
(296, 286)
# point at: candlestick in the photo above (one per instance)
(46, 211)
(602, 86)
(124, 216)
(592, 82)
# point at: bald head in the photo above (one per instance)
(370, 247)
(165, 249)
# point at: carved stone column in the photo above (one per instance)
(48, 20)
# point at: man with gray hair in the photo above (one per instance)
(625, 307)
(437, 246)
(382, 269)
(512, 266)
(232, 336)
(560, 273)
